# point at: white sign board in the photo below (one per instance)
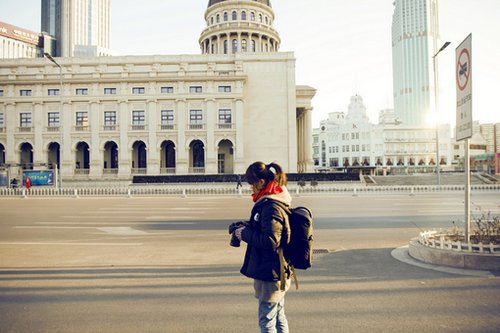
(464, 89)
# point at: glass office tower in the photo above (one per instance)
(415, 30)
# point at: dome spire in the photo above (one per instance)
(239, 26)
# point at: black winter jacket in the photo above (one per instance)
(266, 231)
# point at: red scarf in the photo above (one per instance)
(271, 188)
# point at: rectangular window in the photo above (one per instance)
(53, 92)
(25, 92)
(167, 119)
(138, 90)
(225, 89)
(138, 118)
(25, 119)
(167, 90)
(225, 118)
(1, 92)
(82, 119)
(53, 119)
(109, 91)
(195, 119)
(195, 89)
(2, 122)
(109, 118)
(82, 91)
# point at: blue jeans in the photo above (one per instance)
(272, 317)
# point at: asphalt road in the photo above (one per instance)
(164, 265)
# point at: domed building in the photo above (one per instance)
(239, 26)
(116, 117)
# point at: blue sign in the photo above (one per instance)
(39, 178)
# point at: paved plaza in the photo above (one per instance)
(164, 264)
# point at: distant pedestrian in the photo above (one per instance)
(27, 183)
(265, 234)
(238, 183)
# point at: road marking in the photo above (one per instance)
(49, 227)
(154, 217)
(75, 244)
(122, 231)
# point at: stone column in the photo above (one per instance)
(95, 154)
(11, 124)
(182, 160)
(124, 151)
(308, 140)
(67, 154)
(39, 156)
(210, 148)
(239, 151)
(153, 153)
(300, 142)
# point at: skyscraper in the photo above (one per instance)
(81, 27)
(415, 30)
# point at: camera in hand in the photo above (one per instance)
(235, 242)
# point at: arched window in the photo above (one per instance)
(252, 16)
(266, 20)
(244, 45)
(243, 16)
(235, 45)
(252, 46)
(217, 18)
(234, 16)
(225, 46)
(212, 20)
(260, 18)
(225, 16)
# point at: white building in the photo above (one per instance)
(174, 114)
(352, 140)
(415, 32)
(81, 27)
(16, 42)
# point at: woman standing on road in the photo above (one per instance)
(264, 234)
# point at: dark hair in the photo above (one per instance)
(260, 171)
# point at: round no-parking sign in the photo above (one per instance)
(463, 69)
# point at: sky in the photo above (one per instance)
(342, 47)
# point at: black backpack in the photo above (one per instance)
(299, 250)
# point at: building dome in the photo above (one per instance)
(213, 2)
(239, 26)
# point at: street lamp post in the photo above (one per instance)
(438, 173)
(48, 56)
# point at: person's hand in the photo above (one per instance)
(238, 232)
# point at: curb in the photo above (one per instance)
(402, 254)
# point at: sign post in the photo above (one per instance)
(463, 74)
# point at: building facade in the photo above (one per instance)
(16, 42)
(351, 140)
(181, 114)
(345, 140)
(80, 27)
(415, 32)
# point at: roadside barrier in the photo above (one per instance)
(230, 190)
(437, 240)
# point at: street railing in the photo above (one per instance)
(228, 189)
(438, 240)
